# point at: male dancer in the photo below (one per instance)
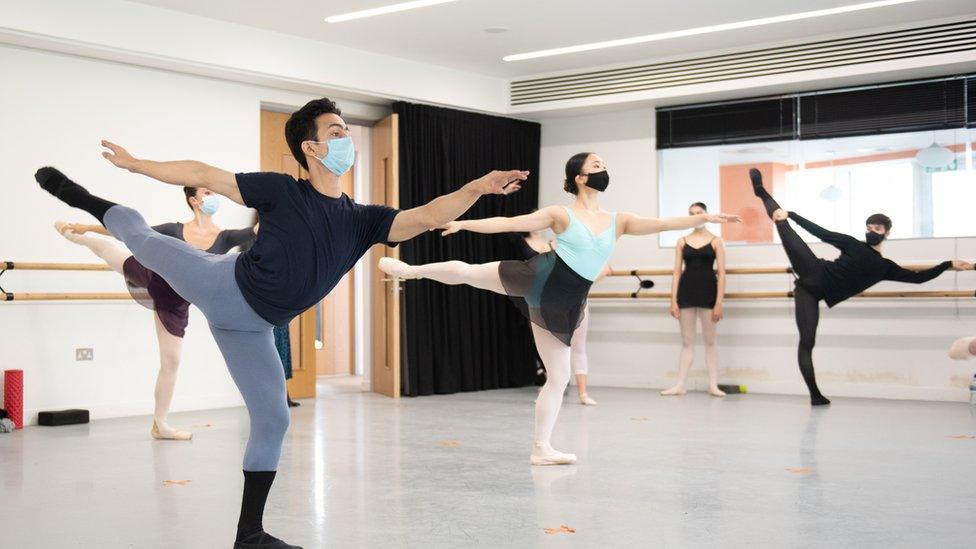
(311, 236)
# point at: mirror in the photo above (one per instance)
(920, 180)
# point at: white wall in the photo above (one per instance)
(55, 111)
(149, 36)
(888, 349)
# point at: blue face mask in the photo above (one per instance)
(210, 205)
(341, 155)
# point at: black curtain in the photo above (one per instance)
(457, 338)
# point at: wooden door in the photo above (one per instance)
(276, 157)
(386, 293)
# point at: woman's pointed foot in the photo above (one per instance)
(715, 391)
(64, 229)
(396, 268)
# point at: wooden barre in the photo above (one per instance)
(63, 296)
(24, 266)
(782, 295)
(739, 270)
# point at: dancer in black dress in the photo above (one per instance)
(696, 297)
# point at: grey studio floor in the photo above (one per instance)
(360, 470)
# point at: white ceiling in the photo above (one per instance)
(453, 34)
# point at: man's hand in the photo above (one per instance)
(119, 156)
(960, 265)
(501, 182)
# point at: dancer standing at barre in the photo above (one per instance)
(172, 312)
(697, 292)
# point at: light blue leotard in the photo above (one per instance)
(585, 252)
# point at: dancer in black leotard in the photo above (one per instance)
(697, 292)
(859, 267)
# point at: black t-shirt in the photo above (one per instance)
(858, 268)
(307, 243)
(227, 240)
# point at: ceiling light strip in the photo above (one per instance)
(750, 23)
(383, 10)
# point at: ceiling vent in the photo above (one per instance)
(870, 48)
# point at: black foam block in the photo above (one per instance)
(62, 417)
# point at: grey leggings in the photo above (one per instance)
(245, 339)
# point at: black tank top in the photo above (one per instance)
(698, 286)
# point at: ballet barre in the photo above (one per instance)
(730, 271)
(784, 295)
(65, 296)
(56, 296)
(25, 266)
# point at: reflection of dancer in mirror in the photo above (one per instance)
(172, 312)
(859, 267)
(696, 297)
(530, 244)
(551, 288)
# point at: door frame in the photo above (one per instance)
(385, 189)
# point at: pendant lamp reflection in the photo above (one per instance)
(936, 158)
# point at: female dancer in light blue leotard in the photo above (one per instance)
(551, 288)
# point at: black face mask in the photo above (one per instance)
(598, 181)
(873, 238)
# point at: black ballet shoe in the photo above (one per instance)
(67, 191)
(819, 400)
(53, 181)
(292, 403)
(757, 184)
(263, 540)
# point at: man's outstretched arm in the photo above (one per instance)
(447, 208)
(186, 173)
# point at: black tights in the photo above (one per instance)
(807, 311)
(807, 266)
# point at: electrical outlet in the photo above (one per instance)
(86, 353)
